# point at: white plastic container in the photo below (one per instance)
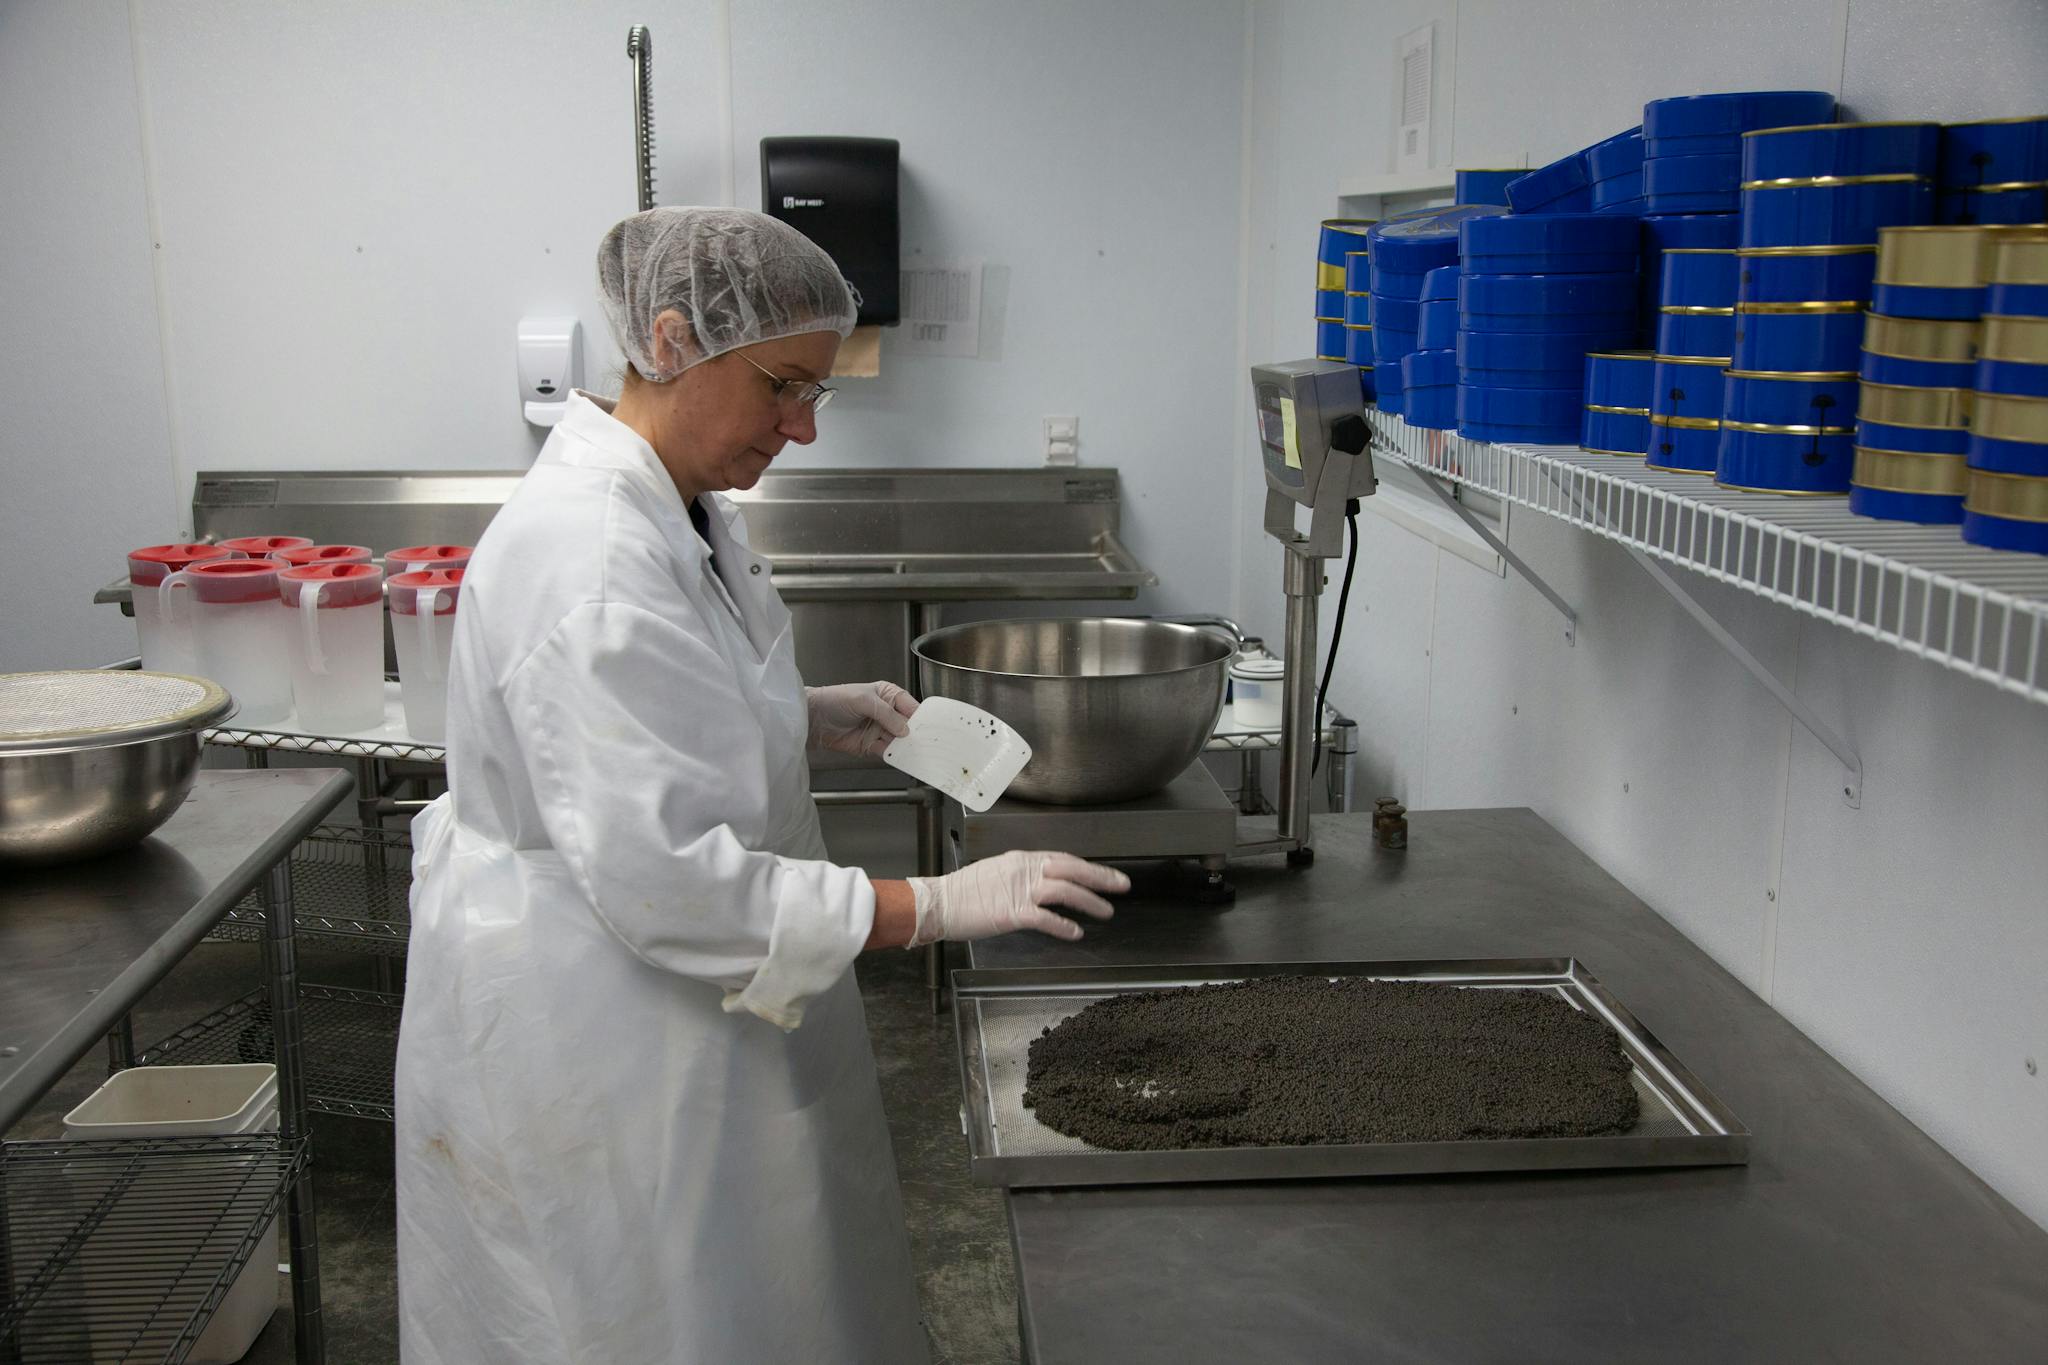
(423, 632)
(185, 1101)
(1256, 685)
(165, 650)
(338, 648)
(242, 630)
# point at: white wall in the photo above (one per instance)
(1909, 937)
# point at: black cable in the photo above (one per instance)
(1336, 631)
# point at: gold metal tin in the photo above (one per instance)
(1356, 293)
(1816, 127)
(1699, 251)
(1896, 405)
(1693, 310)
(2017, 255)
(1816, 306)
(2010, 417)
(1625, 412)
(1830, 182)
(1673, 469)
(1329, 276)
(1851, 249)
(1919, 338)
(2005, 187)
(1909, 471)
(2016, 497)
(1622, 355)
(1337, 320)
(2021, 339)
(1792, 374)
(1659, 419)
(1718, 361)
(1780, 429)
(1358, 327)
(1943, 257)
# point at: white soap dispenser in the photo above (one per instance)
(550, 364)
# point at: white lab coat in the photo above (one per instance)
(614, 1143)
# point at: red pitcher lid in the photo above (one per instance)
(325, 554)
(406, 601)
(152, 563)
(430, 556)
(336, 585)
(234, 580)
(259, 546)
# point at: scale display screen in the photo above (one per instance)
(1279, 432)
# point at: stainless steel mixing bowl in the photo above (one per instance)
(1112, 709)
(93, 761)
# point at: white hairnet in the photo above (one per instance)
(735, 277)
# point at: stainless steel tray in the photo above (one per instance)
(997, 1012)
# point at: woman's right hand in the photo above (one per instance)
(1012, 891)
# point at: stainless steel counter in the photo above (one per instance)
(1850, 1236)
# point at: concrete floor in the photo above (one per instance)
(959, 1240)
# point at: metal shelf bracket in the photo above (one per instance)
(1449, 498)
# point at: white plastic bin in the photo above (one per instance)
(1256, 684)
(195, 1101)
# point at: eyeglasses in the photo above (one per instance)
(792, 393)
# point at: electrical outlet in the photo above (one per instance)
(1062, 440)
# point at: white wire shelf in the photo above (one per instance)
(388, 740)
(351, 892)
(351, 1046)
(1920, 589)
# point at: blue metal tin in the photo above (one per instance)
(1358, 310)
(1526, 351)
(1397, 284)
(2016, 301)
(1427, 369)
(1995, 152)
(1386, 383)
(1698, 277)
(2009, 376)
(1619, 379)
(1696, 334)
(1803, 273)
(2023, 203)
(1429, 381)
(1927, 301)
(1358, 345)
(1547, 303)
(1339, 237)
(1485, 186)
(1683, 124)
(1999, 533)
(1784, 461)
(1329, 305)
(1329, 340)
(1389, 344)
(1615, 433)
(1357, 272)
(1416, 243)
(1549, 244)
(1844, 149)
(1561, 187)
(1621, 208)
(2008, 457)
(1441, 283)
(1530, 416)
(1614, 156)
(1886, 504)
(1803, 341)
(1401, 315)
(1669, 231)
(1683, 449)
(1790, 400)
(1619, 195)
(1680, 387)
(1921, 374)
(1692, 184)
(1827, 214)
(1439, 328)
(1919, 440)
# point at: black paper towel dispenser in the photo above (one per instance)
(841, 193)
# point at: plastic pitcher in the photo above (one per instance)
(325, 554)
(265, 547)
(165, 651)
(242, 630)
(338, 648)
(423, 629)
(414, 557)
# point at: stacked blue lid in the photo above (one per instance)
(1339, 237)
(1617, 415)
(1485, 186)
(1606, 177)
(1405, 248)
(1994, 171)
(1692, 144)
(1429, 373)
(1535, 295)
(1358, 313)
(2006, 493)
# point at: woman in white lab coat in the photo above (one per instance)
(637, 1113)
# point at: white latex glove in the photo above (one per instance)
(858, 718)
(1012, 891)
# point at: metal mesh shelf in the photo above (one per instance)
(350, 1041)
(351, 891)
(122, 1249)
(1920, 589)
(389, 740)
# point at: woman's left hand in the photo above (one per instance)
(858, 718)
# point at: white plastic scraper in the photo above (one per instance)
(962, 750)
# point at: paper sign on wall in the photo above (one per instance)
(941, 310)
(1414, 57)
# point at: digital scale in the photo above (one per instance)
(1313, 442)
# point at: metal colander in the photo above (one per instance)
(99, 706)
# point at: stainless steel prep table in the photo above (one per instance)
(80, 945)
(1850, 1235)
